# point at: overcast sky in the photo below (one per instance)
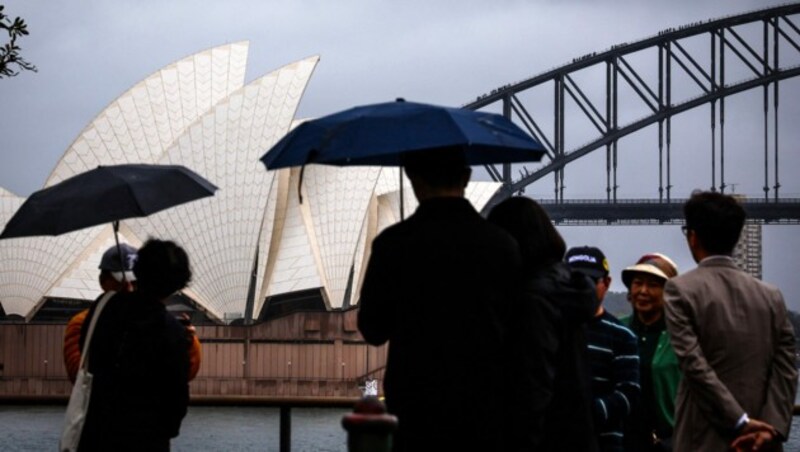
(442, 52)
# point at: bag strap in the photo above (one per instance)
(88, 340)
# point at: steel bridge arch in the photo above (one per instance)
(779, 32)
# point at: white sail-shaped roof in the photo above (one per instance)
(141, 123)
(292, 264)
(136, 127)
(221, 233)
(337, 200)
(28, 266)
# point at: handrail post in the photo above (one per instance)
(286, 428)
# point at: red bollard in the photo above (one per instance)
(369, 427)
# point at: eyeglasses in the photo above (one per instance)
(685, 229)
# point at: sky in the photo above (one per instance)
(444, 52)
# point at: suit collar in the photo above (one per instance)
(719, 260)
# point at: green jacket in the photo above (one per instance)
(666, 375)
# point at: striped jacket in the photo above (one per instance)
(614, 368)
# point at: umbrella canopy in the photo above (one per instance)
(379, 134)
(106, 194)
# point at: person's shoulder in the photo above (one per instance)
(122, 301)
(609, 317)
(620, 327)
(571, 291)
(172, 322)
(78, 318)
(496, 235)
(114, 307)
(392, 232)
(770, 290)
(690, 277)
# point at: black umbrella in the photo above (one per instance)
(106, 194)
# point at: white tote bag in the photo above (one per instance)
(79, 399)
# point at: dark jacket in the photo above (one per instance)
(439, 287)
(566, 301)
(139, 358)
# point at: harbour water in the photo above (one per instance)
(37, 428)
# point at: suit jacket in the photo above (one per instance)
(735, 345)
(439, 287)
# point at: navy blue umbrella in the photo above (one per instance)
(379, 134)
(106, 194)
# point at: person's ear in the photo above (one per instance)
(692, 237)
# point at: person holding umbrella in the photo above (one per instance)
(139, 358)
(440, 287)
(116, 274)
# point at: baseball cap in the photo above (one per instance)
(588, 260)
(652, 263)
(111, 261)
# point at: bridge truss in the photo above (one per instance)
(718, 58)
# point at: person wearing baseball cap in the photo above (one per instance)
(117, 262)
(612, 355)
(651, 425)
(116, 273)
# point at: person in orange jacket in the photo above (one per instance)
(113, 279)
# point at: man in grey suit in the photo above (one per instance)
(733, 340)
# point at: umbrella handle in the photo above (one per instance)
(115, 224)
(300, 183)
(402, 208)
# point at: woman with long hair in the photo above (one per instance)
(549, 372)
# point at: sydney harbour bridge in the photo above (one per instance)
(696, 66)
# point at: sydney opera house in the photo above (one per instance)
(276, 280)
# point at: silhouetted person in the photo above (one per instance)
(439, 287)
(732, 335)
(549, 374)
(139, 356)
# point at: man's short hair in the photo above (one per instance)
(717, 219)
(440, 168)
(162, 268)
